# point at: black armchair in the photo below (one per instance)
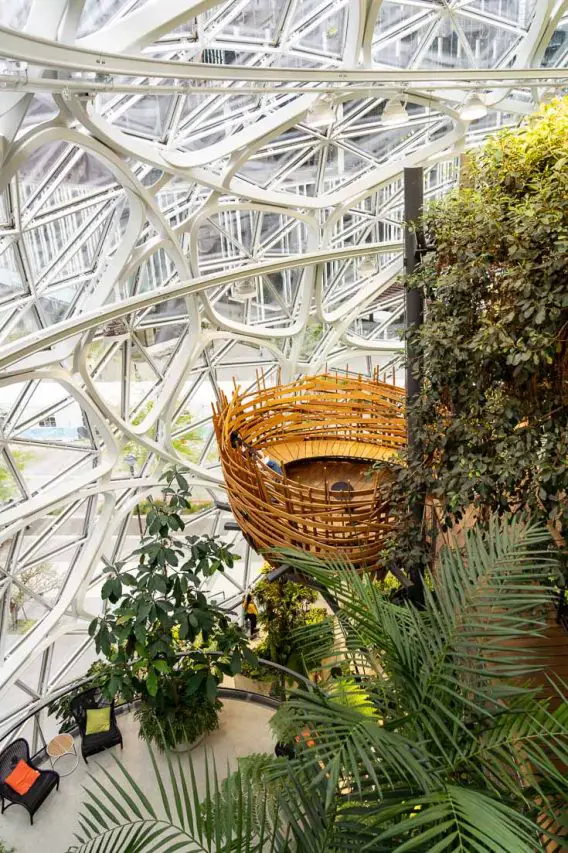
(46, 781)
(91, 744)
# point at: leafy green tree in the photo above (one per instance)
(8, 486)
(40, 579)
(156, 611)
(492, 418)
(286, 608)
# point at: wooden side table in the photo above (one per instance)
(58, 747)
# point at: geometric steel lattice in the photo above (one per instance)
(191, 192)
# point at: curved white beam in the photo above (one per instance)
(11, 354)
(42, 51)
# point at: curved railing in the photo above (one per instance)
(318, 417)
(37, 736)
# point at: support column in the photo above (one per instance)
(413, 202)
(414, 317)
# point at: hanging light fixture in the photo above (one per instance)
(322, 114)
(473, 108)
(367, 266)
(243, 290)
(394, 112)
(548, 94)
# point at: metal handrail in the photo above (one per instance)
(259, 698)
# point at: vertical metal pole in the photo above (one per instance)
(414, 304)
(413, 202)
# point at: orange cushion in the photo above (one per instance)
(306, 736)
(22, 777)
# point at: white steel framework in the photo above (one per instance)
(192, 191)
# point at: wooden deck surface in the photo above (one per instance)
(317, 473)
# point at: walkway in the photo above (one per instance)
(243, 730)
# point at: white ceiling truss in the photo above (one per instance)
(172, 217)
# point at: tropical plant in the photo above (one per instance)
(156, 610)
(178, 724)
(121, 816)
(435, 742)
(284, 605)
(491, 422)
(285, 608)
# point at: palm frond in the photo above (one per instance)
(527, 740)
(175, 813)
(319, 642)
(342, 737)
(451, 820)
(454, 659)
(450, 682)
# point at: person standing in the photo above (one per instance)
(251, 614)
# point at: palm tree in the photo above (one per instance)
(437, 743)
(432, 741)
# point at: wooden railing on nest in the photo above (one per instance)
(324, 417)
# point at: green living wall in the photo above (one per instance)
(492, 418)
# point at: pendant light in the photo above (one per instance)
(322, 114)
(394, 112)
(473, 108)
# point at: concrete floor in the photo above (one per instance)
(243, 730)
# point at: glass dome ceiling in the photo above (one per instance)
(187, 195)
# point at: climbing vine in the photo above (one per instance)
(492, 417)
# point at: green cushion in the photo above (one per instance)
(98, 720)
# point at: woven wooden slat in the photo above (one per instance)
(317, 417)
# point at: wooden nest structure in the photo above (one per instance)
(298, 462)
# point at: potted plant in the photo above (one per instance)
(156, 613)
(180, 726)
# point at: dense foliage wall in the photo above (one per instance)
(492, 418)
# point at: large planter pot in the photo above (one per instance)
(185, 746)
